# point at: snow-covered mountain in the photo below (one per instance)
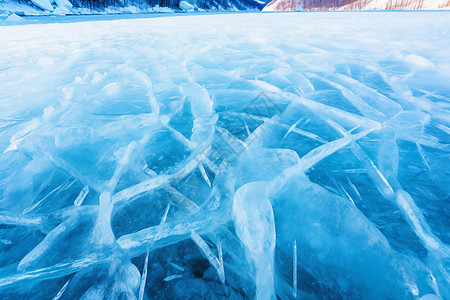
(290, 5)
(64, 7)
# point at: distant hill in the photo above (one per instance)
(290, 5)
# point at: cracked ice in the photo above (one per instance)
(236, 155)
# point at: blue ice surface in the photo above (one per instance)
(301, 155)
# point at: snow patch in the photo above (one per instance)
(44, 4)
(63, 3)
(111, 89)
(418, 62)
(61, 11)
(13, 18)
(186, 6)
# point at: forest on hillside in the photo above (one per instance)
(203, 4)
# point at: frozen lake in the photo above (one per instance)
(225, 156)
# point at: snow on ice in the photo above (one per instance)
(236, 155)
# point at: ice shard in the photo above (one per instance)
(255, 227)
(216, 262)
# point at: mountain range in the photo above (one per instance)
(290, 5)
(33, 7)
